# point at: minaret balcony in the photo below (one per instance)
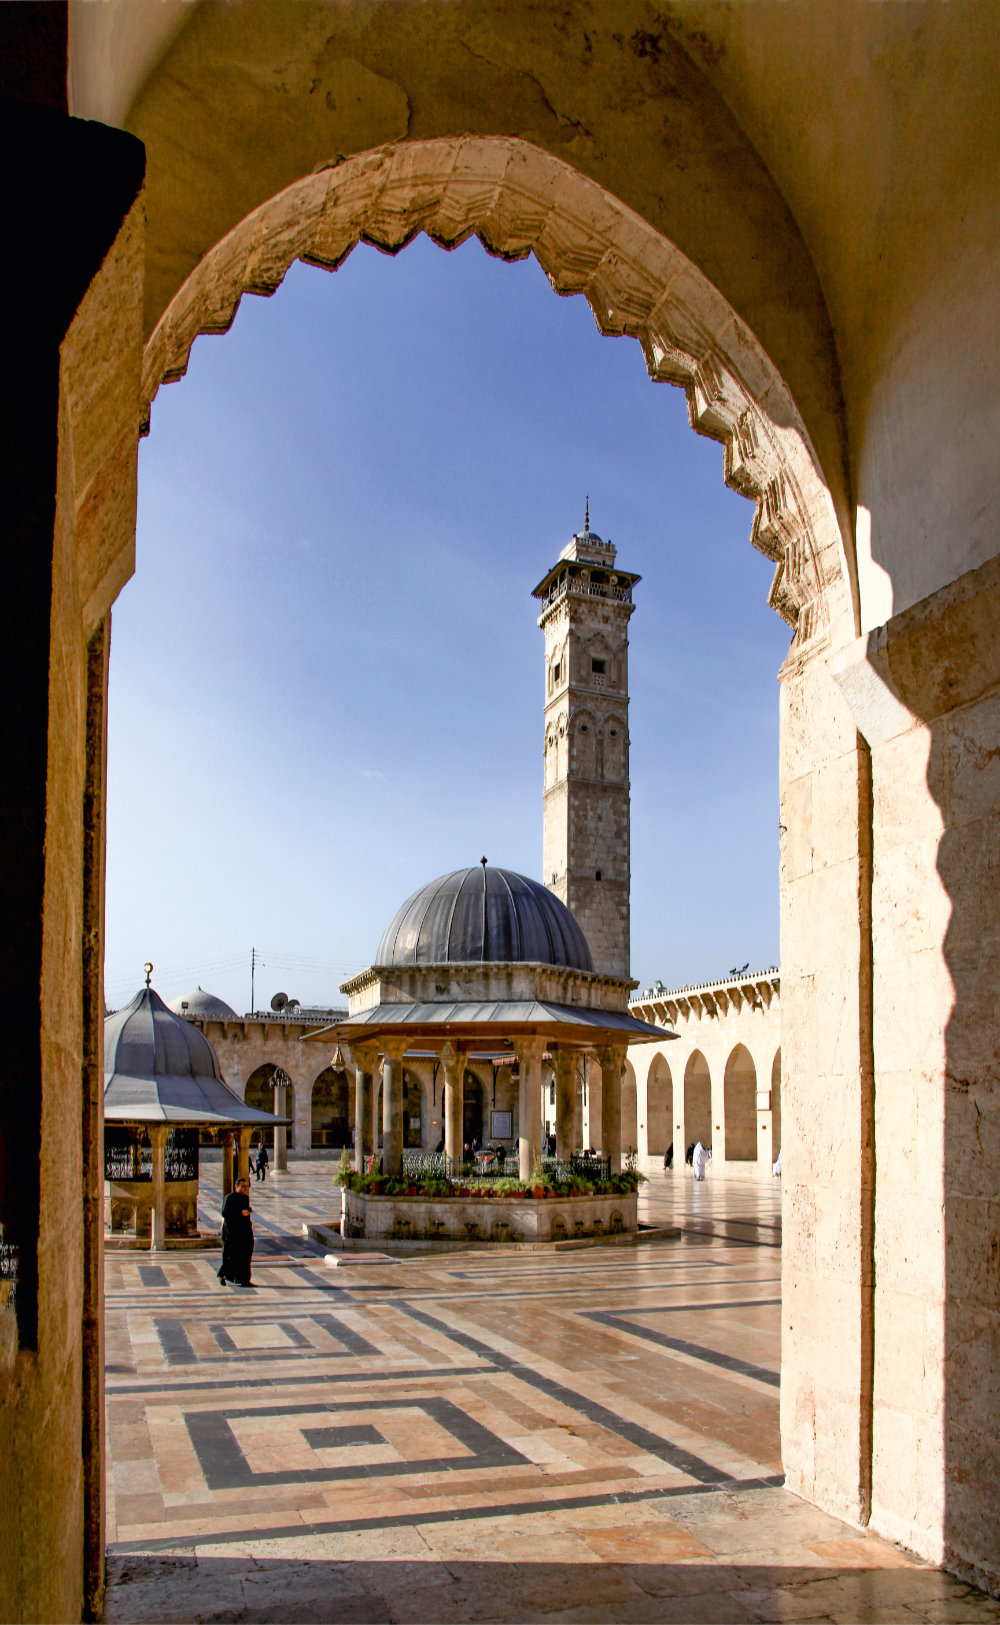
(585, 589)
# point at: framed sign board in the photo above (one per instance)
(500, 1125)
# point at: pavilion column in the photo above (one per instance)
(453, 1061)
(280, 1131)
(529, 1103)
(393, 1051)
(612, 1060)
(566, 1141)
(228, 1140)
(158, 1227)
(244, 1153)
(364, 1059)
(361, 1078)
(579, 1090)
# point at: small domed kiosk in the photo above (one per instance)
(202, 1006)
(162, 1086)
(484, 959)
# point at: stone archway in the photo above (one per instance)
(259, 1093)
(739, 1104)
(520, 200)
(629, 1110)
(697, 1100)
(659, 1107)
(331, 1110)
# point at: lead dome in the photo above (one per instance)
(203, 1005)
(484, 915)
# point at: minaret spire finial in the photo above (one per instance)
(586, 517)
(147, 967)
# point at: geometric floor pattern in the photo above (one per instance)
(591, 1435)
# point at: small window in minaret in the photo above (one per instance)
(557, 671)
(597, 875)
(598, 667)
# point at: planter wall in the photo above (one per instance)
(483, 1219)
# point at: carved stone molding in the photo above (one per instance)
(519, 200)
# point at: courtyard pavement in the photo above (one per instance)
(589, 1436)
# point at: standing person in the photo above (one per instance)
(262, 1161)
(700, 1161)
(237, 1236)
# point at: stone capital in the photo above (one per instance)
(363, 1057)
(611, 1055)
(529, 1049)
(393, 1050)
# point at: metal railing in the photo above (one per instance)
(435, 1165)
(620, 595)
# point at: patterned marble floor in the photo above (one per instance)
(591, 1435)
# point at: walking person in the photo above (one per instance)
(237, 1236)
(700, 1161)
(262, 1161)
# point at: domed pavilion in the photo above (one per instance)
(484, 959)
(202, 1006)
(162, 1086)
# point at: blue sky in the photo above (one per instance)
(326, 674)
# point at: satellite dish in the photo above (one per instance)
(279, 1001)
(293, 1004)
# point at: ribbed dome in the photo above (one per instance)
(484, 915)
(160, 1068)
(205, 1005)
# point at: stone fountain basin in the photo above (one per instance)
(476, 1221)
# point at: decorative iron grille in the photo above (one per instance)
(182, 1154)
(8, 1275)
(128, 1155)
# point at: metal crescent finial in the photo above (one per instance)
(148, 968)
(586, 517)
(483, 861)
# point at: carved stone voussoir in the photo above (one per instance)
(521, 200)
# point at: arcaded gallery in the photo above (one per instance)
(792, 209)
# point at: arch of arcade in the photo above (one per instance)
(720, 1081)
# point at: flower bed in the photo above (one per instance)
(466, 1217)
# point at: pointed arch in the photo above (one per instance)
(740, 1106)
(331, 1109)
(697, 1100)
(259, 1093)
(521, 200)
(629, 1110)
(659, 1106)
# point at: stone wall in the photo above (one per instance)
(471, 1220)
(721, 1076)
(586, 841)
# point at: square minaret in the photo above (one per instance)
(586, 606)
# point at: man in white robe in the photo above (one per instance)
(700, 1161)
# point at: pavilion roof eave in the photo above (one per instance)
(499, 1019)
(140, 1098)
(176, 1115)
